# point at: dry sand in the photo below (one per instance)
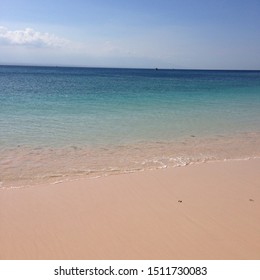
(205, 211)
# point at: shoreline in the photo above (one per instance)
(122, 172)
(200, 211)
(25, 166)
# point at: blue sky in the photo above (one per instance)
(205, 34)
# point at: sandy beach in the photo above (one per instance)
(203, 211)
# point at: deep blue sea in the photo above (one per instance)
(59, 123)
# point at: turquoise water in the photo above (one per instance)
(57, 111)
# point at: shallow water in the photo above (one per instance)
(64, 123)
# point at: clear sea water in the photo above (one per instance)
(60, 123)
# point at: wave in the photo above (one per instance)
(25, 166)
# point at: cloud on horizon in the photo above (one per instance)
(28, 46)
(30, 37)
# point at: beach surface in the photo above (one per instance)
(201, 211)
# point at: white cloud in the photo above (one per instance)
(30, 37)
(30, 46)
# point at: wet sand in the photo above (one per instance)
(203, 211)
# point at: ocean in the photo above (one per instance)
(64, 123)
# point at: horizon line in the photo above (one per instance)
(117, 67)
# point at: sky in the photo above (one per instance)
(193, 34)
